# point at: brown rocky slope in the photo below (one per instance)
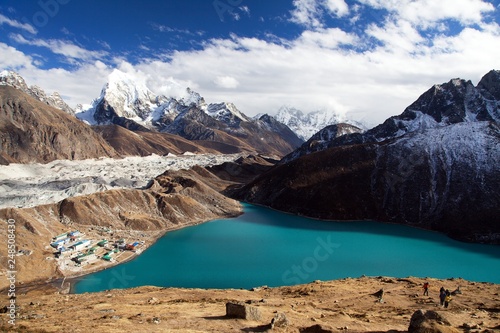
(32, 131)
(173, 200)
(348, 305)
(144, 143)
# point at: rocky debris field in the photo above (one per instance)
(29, 185)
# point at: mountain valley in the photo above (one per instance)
(135, 166)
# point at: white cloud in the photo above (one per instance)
(306, 13)
(16, 24)
(327, 38)
(62, 47)
(245, 10)
(322, 68)
(76, 87)
(427, 13)
(10, 58)
(397, 36)
(338, 7)
(227, 82)
(309, 13)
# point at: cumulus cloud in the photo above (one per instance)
(11, 58)
(337, 7)
(327, 38)
(79, 86)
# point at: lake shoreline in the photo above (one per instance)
(332, 240)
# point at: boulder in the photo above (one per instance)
(317, 329)
(429, 322)
(243, 311)
(280, 320)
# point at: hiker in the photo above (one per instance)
(447, 298)
(442, 296)
(426, 289)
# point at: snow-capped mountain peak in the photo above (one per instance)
(128, 97)
(124, 96)
(192, 97)
(227, 113)
(306, 125)
(10, 78)
(13, 79)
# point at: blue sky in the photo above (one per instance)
(366, 59)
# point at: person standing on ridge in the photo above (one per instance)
(442, 296)
(426, 289)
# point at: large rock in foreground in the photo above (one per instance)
(243, 311)
(429, 322)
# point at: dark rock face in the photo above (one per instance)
(449, 103)
(440, 180)
(317, 329)
(324, 139)
(243, 170)
(252, 136)
(32, 131)
(444, 179)
(435, 168)
(490, 85)
(284, 131)
(330, 184)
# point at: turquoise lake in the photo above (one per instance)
(266, 247)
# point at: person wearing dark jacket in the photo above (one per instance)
(442, 296)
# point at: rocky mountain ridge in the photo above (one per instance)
(323, 140)
(443, 104)
(434, 166)
(129, 103)
(10, 78)
(32, 131)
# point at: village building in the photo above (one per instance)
(80, 245)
